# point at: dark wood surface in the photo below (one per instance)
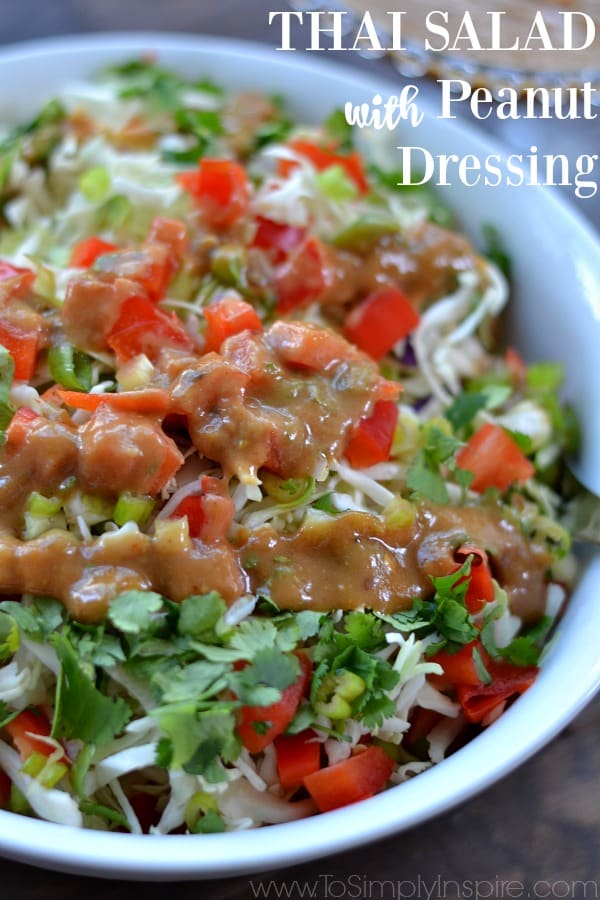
(539, 828)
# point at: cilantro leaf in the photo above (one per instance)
(134, 612)
(262, 682)
(253, 635)
(199, 614)
(424, 477)
(80, 710)
(365, 630)
(24, 618)
(192, 682)
(494, 249)
(463, 409)
(215, 737)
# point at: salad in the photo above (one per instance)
(279, 512)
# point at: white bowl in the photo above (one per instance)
(556, 316)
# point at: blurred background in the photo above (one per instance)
(540, 823)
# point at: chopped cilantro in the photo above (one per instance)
(494, 249)
(338, 129)
(134, 612)
(262, 682)
(199, 614)
(80, 710)
(463, 409)
(424, 478)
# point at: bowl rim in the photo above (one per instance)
(113, 855)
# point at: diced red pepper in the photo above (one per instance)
(220, 188)
(20, 426)
(508, 681)
(23, 346)
(86, 252)
(323, 158)
(150, 400)
(303, 278)
(422, 721)
(21, 280)
(481, 585)
(142, 328)
(5, 786)
(459, 667)
(298, 755)
(278, 239)
(495, 459)
(170, 232)
(192, 508)
(274, 719)
(380, 321)
(226, 317)
(25, 731)
(371, 443)
(517, 369)
(351, 780)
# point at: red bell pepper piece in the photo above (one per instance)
(23, 346)
(303, 277)
(226, 317)
(508, 681)
(142, 328)
(323, 158)
(5, 786)
(380, 321)
(147, 401)
(276, 717)
(279, 240)
(20, 426)
(86, 252)
(459, 667)
(21, 280)
(351, 780)
(371, 443)
(25, 731)
(481, 585)
(495, 459)
(422, 721)
(517, 368)
(298, 755)
(220, 188)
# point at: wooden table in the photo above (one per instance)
(536, 831)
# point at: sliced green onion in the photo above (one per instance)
(399, 513)
(38, 505)
(70, 367)
(114, 212)
(199, 805)
(335, 184)
(34, 526)
(336, 694)
(18, 801)
(34, 764)
(135, 373)
(89, 808)
(95, 184)
(228, 265)
(132, 508)
(364, 233)
(9, 636)
(287, 493)
(545, 376)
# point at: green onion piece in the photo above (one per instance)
(211, 823)
(199, 805)
(34, 764)
(80, 768)
(545, 376)
(38, 505)
(7, 371)
(18, 802)
(114, 213)
(70, 367)
(33, 526)
(290, 492)
(399, 513)
(364, 233)
(335, 184)
(52, 773)
(89, 808)
(337, 693)
(325, 504)
(132, 508)
(9, 636)
(95, 184)
(228, 265)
